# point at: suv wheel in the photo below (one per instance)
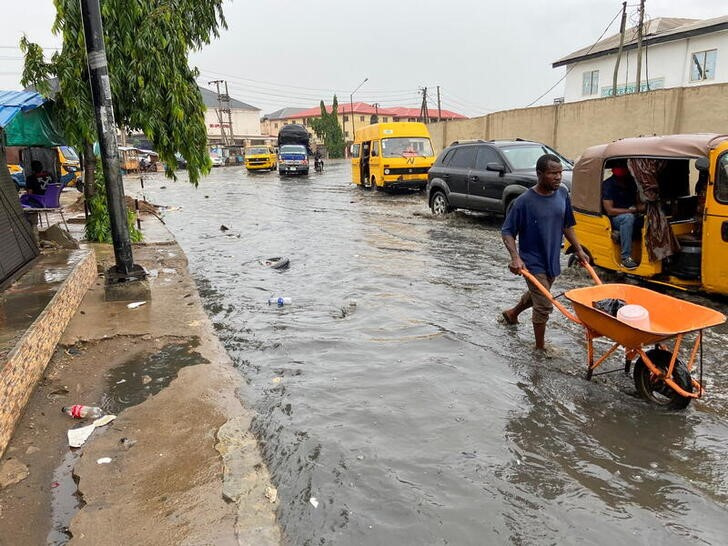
(439, 204)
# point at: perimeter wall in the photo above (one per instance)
(571, 127)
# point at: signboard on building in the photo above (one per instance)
(651, 85)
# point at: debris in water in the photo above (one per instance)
(136, 304)
(277, 379)
(146, 379)
(223, 227)
(126, 443)
(103, 460)
(314, 502)
(78, 436)
(271, 494)
(55, 484)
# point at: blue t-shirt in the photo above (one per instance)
(622, 195)
(538, 221)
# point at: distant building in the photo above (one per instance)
(363, 114)
(245, 119)
(271, 123)
(675, 53)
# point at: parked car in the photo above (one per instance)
(217, 160)
(486, 175)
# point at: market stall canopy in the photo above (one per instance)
(25, 120)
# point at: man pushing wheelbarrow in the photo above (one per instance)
(539, 218)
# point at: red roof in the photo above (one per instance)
(368, 109)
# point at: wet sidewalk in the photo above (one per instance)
(184, 467)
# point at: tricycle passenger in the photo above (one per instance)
(620, 200)
(539, 218)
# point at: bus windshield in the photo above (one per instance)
(69, 153)
(407, 147)
(257, 151)
(293, 149)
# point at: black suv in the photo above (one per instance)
(486, 175)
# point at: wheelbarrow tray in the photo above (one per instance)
(668, 316)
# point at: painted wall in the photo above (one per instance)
(666, 65)
(245, 122)
(572, 127)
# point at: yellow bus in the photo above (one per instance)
(392, 156)
(259, 158)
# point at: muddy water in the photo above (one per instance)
(390, 394)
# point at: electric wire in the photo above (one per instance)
(568, 70)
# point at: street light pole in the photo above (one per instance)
(351, 106)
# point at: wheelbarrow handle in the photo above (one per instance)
(568, 314)
(592, 273)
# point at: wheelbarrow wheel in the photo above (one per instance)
(657, 391)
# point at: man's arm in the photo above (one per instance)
(611, 210)
(570, 235)
(516, 264)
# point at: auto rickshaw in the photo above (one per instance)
(685, 189)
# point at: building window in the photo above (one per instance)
(590, 83)
(702, 66)
(346, 118)
(346, 134)
(361, 118)
(385, 119)
(275, 126)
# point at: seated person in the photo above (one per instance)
(621, 203)
(37, 182)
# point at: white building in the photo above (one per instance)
(675, 53)
(245, 119)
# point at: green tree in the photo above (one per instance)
(152, 85)
(328, 128)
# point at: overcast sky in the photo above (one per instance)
(484, 55)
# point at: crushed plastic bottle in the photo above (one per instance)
(78, 411)
(280, 302)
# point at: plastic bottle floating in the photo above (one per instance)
(277, 262)
(280, 302)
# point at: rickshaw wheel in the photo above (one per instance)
(656, 390)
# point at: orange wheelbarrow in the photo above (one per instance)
(659, 374)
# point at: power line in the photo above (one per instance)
(568, 70)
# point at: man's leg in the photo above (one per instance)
(542, 308)
(625, 224)
(511, 315)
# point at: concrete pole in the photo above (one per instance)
(622, 28)
(106, 129)
(639, 46)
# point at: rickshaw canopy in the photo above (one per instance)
(589, 168)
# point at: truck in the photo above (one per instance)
(293, 149)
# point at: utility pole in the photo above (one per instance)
(376, 112)
(439, 107)
(230, 116)
(223, 107)
(639, 46)
(423, 109)
(351, 106)
(125, 269)
(622, 28)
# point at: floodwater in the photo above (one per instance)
(390, 396)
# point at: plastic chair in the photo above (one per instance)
(50, 201)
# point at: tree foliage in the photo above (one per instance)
(328, 128)
(152, 85)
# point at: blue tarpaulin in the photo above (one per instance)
(14, 102)
(26, 120)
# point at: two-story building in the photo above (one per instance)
(245, 120)
(675, 53)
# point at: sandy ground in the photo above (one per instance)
(184, 467)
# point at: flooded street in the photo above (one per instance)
(394, 408)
